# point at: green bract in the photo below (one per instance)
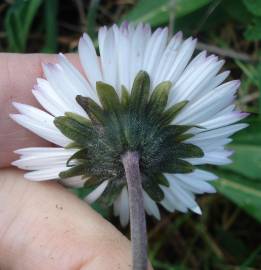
(136, 122)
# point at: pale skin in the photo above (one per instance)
(42, 225)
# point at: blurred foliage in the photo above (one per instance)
(18, 21)
(157, 11)
(227, 236)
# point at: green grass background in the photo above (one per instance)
(227, 235)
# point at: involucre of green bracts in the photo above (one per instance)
(136, 121)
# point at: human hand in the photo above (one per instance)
(42, 225)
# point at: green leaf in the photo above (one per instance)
(93, 110)
(233, 244)
(236, 10)
(257, 78)
(50, 25)
(251, 258)
(190, 23)
(140, 92)
(91, 18)
(247, 147)
(108, 97)
(18, 21)
(152, 188)
(253, 31)
(254, 6)
(169, 115)
(243, 191)
(250, 135)
(159, 98)
(157, 11)
(246, 160)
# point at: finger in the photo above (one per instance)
(17, 77)
(43, 226)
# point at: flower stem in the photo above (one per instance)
(130, 162)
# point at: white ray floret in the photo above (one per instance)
(121, 207)
(150, 206)
(97, 192)
(124, 51)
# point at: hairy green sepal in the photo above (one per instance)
(137, 121)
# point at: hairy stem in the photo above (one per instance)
(130, 162)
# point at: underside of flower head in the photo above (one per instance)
(136, 122)
(144, 94)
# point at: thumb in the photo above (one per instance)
(43, 226)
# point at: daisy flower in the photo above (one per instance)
(144, 94)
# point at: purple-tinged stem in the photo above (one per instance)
(130, 162)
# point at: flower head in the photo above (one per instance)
(144, 94)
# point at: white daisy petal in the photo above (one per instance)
(96, 193)
(75, 182)
(213, 144)
(46, 104)
(75, 79)
(42, 157)
(138, 43)
(216, 81)
(56, 76)
(196, 210)
(150, 206)
(209, 104)
(171, 202)
(219, 133)
(89, 60)
(154, 50)
(167, 59)
(184, 54)
(214, 157)
(198, 174)
(35, 114)
(101, 37)
(116, 207)
(122, 39)
(48, 133)
(167, 203)
(43, 150)
(51, 173)
(47, 92)
(185, 197)
(108, 56)
(196, 186)
(43, 162)
(58, 79)
(195, 78)
(121, 207)
(197, 61)
(223, 120)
